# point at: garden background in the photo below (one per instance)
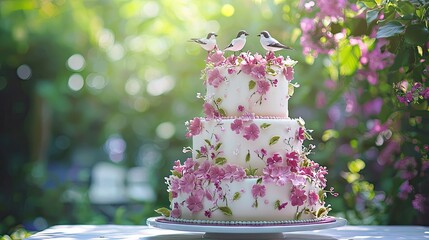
(94, 96)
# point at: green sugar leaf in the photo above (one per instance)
(274, 140)
(226, 210)
(252, 84)
(265, 125)
(236, 196)
(163, 211)
(220, 161)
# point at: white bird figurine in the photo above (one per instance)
(271, 44)
(208, 43)
(237, 43)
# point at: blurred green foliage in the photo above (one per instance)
(74, 74)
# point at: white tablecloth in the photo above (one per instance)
(103, 232)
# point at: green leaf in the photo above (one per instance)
(270, 71)
(265, 125)
(248, 156)
(368, 3)
(222, 112)
(259, 181)
(277, 204)
(371, 15)
(163, 211)
(349, 58)
(252, 84)
(176, 173)
(251, 171)
(321, 212)
(416, 35)
(208, 142)
(220, 161)
(218, 100)
(291, 90)
(307, 136)
(226, 210)
(321, 196)
(217, 146)
(390, 29)
(298, 215)
(405, 7)
(236, 196)
(274, 140)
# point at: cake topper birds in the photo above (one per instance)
(208, 43)
(271, 44)
(237, 43)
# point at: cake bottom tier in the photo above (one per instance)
(250, 200)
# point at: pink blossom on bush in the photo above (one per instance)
(195, 127)
(237, 125)
(320, 99)
(312, 31)
(331, 8)
(386, 154)
(297, 196)
(258, 190)
(420, 203)
(407, 167)
(404, 190)
(251, 132)
(373, 107)
(263, 86)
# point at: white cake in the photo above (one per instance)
(248, 159)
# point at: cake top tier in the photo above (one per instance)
(247, 84)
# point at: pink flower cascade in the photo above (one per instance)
(194, 127)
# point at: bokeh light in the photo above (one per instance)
(24, 72)
(76, 82)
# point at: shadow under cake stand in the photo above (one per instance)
(245, 229)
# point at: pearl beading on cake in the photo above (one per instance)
(254, 223)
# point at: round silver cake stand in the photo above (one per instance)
(266, 232)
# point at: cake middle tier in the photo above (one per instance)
(247, 142)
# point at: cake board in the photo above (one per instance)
(240, 230)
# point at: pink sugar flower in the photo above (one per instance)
(240, 108)
(237, 125)
(208, 213)
(313, 198)
(214, 77)
(288, 72)
(216, 58)
(295, 179)
(320, 175)
(216, 173)
(178, 167)
(176, 213)
(209, 111)
(274, 159)
(187, 183)
(194, 203)
(297, 196)
(292, 159)
(258, 190)
(263, 87)
(195, 127)
(251, 132)
(258, 72)
(234, 173)
(407, 167)
(300, 136)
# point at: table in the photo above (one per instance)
(103, 232)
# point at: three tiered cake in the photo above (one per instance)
(248, 159)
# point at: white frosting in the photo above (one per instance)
(235, 147)
(235, 92)
(244, 208)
